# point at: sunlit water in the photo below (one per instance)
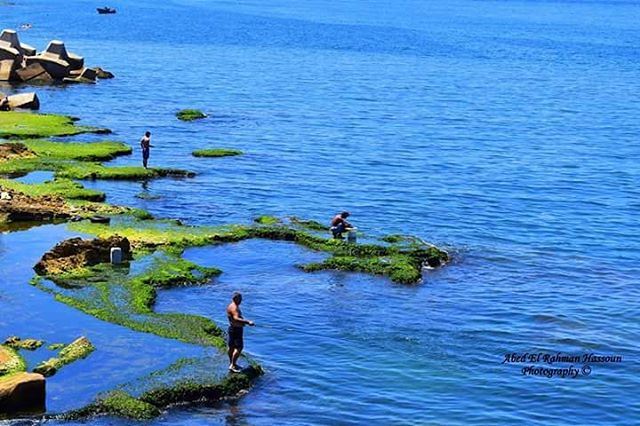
(506, 131)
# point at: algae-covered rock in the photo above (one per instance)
(216, 152)
(14, 150)
(311, 225)
(56, 346)
(76, 253)
(18, 207)
(78, 349)
(10, 361)
(16, 342)
(267, 220)
(203, 390)
(22, 393)
(25, 125)
(190, 114)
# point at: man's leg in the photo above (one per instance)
(236, 354)
(230, 353)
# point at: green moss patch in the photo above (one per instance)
(216, 152)
(65, 188)
(190, 114)
(267, 220)
(10, 361)
(112, 294)
(86, 151)
(117, 403)
(311, 225)
(24, 125)
(187, 381)
(76, 350)
(401, 264)
(16, 342)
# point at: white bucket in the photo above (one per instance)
(116, 255)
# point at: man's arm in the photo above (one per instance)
(236, 317)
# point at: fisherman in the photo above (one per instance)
(145, 144)
(339, 225)
(236, 329)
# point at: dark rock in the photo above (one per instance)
(103, 74)
(76, 253)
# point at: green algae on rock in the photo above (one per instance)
(176, 384)
(81, 151)
(10, 361)
(56, 346)
(16, 342)
(190, 114)
(311, 225)
(401, 264)
(62, 187)
(267, 220)
(24, 125)
(216, 152)
(76, 350)
(111, 294)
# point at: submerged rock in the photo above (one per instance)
(103, 74)
(76, 253)
(22, 393)
(78, 349)
(17, 343)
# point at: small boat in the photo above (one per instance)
(105, 10)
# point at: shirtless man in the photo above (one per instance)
(145, 144)
(236, 328)
(339, 224)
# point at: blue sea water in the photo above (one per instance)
(506, 131)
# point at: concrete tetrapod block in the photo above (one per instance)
(75, 61)
(9, 52)
(34, 72)
(10, 38)
(7, 67)
(27, 50)
(85, 75)
(56, 68)
(22, 393)
(24, 101)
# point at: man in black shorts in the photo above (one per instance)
(236, 329)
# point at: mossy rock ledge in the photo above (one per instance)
(190, 114)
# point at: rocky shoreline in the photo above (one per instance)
(81, 264)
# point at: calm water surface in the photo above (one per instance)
(504, 130)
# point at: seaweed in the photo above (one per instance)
(190, 114)
(216, 152)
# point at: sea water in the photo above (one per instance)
(505, 131)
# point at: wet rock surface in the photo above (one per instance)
(77, 253)
(19, 207)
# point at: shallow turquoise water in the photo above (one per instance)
(504, 130)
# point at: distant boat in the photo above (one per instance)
(105, 10)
